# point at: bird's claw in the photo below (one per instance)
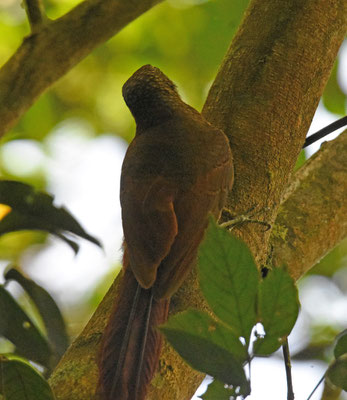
(241, 219)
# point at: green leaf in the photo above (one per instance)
(48, 309)
(229, 279)
(334, 99)
(267, 345)
(17, 327)
(337, 372)
(33, 210)
(217, 391)
(278, 308)
(341, 344)
(207, 346)
(22, 382)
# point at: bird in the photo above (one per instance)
(177, 172)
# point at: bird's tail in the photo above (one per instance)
(131, 344)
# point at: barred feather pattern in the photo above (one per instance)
(129, 355)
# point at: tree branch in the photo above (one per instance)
(264, 97)
(313, 220)
(75, 378)
(51, 52)
(35, 13)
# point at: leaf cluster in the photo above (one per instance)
(18, 379)
(219, 345)
(24, 208)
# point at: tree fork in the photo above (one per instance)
(265, 95)
(75, 377)
(264, 98)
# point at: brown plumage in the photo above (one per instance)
(177, 171)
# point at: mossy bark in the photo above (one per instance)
(299, 240)
(313, 218)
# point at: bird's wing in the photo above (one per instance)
(149, 224)
(206, 196)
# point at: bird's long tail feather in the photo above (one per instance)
(131, 344)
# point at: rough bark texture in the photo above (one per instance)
(313, 219)
(75, 377)
(264, 97)
(46, 55)
(266, 93)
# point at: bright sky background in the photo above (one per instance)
(83, 174)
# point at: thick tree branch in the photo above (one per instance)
(264, 98)
(266, 93)
(321, 179)
(53, 50)
(313, 220)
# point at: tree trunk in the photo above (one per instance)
(264, 98)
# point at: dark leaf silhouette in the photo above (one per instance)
(17, 327)
(48, 309)
(34, 210)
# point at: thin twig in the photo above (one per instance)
(316, 387)
(35, 13)
(286, 355)
(241, 219)
(325, 131)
